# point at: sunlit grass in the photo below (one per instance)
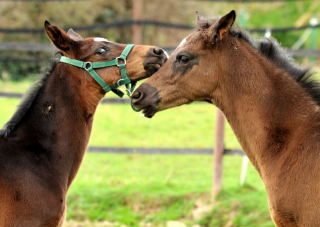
(131, 189)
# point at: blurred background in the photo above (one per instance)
(158, 172)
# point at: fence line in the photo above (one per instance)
(24, 46)
(304, 53)
(34, 47)
(16, 95)
(129, 23)
(117, 24)
(176, 151)
(25, 59)
(103, 101)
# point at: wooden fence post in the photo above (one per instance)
(218, 154)
(136, 15)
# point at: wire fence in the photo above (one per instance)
(16, 95)
(45, 47)
(129, 23)
(175, 151)
(49, 48)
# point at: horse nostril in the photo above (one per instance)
(136, 96)
(157, 51)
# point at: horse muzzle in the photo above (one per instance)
(146, 99)
(155, 58)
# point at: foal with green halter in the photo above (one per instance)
(42, 146)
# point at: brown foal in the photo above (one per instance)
(42, 146)
(270, 102)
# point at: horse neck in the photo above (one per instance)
(265, 107)
(59, 123)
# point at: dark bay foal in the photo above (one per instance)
(42, 146)
(270, 102)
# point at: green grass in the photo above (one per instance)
(131, 189)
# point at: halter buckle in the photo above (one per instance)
(121, 59)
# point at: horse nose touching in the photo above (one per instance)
(155, 58)
(158, 51)
(136, 96)
(145, 98)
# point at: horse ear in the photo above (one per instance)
(59, 37)
(73, 35)
(219, 29)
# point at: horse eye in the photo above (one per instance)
(101, 51)
(183, 59)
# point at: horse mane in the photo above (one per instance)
(272, 50)
(26, 103)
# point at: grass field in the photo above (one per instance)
(138, 189)
(135, 189)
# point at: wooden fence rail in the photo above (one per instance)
(161, 150)
(47, 47)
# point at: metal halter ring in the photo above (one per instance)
(122, 59)
(118, 82)
(129, 93)
(87, 65)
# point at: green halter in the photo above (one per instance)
(90, 66)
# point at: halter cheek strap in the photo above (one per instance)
(120, 62)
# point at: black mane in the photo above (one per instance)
(271, 49)
(26, 104)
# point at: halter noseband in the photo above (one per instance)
(90, 66)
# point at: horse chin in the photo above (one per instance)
(149, 111)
